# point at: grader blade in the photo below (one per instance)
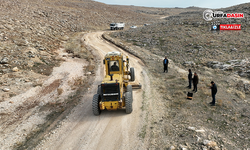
(136, 86)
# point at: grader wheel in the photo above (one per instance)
(95, 105)
(132, 74)
(128, 102)
(129, 89)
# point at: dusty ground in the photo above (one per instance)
(24, 113)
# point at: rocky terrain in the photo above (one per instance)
(40, 41)
(186, 38)
(32, 31)
(219, 56)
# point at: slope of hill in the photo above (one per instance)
(32, 31)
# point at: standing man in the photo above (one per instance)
(214, 91)
(190, 78)
(195, 82)
(165, 64)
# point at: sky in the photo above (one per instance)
(174, 3)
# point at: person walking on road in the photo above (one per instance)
(214, 91)
(165, 64)
(195, 82)
(190, 78)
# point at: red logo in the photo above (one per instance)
(230, 26)
(208, 15)
(237, 15)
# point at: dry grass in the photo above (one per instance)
(78, 81)
(240, 94)
(206, 91)
(51, 87)
(59, 91)
(90, 68)
(230, 90)
(219, 102)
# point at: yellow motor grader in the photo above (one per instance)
(115, 91)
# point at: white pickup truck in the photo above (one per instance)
(117, 26)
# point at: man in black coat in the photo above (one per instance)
(190, 78)
(165, 64)
(214, 91)
(195, 82)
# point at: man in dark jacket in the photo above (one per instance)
(190, 78)
(214, 91)
(114, 67)
(195, 82)
(165, 64)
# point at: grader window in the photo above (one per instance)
(114, 65)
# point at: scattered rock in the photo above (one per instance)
(197, 46)
(172, 148)
(211, 64)
(182, 147)
(205, 142)
(42, 49)
(5, 60)
(26, 80)
(210, 144)
(191, 128)
(200, 131)
(188, 63)
(219, 65)
(225, 67)
(6, 89)
(191, 51)
(247, 88)
(234, 49)
(21, 42)
(15, 69)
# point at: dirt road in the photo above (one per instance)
(112, 129)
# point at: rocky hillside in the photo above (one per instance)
(223, 57)
(186, 38)
(31, 32)
(42, 25)
(163, 11)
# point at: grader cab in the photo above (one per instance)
(115, 92)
